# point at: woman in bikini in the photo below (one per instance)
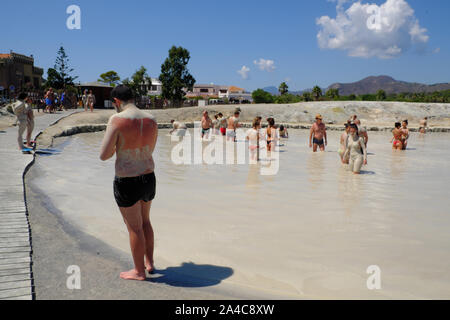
(397, 137)
(270, 133)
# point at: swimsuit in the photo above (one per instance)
(396, 142)
(357, 154)
(318, 142)
(230, 133)
(205, 131)
(128, 191)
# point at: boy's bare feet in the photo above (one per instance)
(132, 275)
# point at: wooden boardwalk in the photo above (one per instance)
(16, 275)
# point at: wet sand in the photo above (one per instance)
(311, 231)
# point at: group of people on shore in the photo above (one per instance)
(53, 101)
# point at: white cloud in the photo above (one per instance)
(263, 64)
(369, 30)
(244, 72)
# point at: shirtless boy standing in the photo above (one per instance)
(206, 124)
(131, 134)
(318, 135)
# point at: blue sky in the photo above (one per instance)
(224, 36)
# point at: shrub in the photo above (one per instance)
(261, 96)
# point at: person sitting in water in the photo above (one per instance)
(318, 135)
(283, 132)
(423, 125)
(356, 150)
(177, 126)
(343, 143)
(405, 134)
(397, 137)
(233, 124)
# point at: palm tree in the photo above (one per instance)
(283, 88)
(317, 92)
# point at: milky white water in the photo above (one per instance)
(311, 231)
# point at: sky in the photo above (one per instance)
(247, 43)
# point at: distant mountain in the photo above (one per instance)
(386, 83)
(272, 90)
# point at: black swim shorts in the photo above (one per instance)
(318, 142)
(128, 191)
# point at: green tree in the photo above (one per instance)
(140, 81)
(175, 75)
(261, 96)
(283, 88)
(287, 98)
(53, 79)
(381, 95)
(332, 94)
(306, 96)
(110, 77)
(352, 97)
(62, 75)
(317, 92)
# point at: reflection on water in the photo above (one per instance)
(316, 169)
(312, 229)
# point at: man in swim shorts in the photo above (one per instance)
(49, 100)
(206, 124)
(131, 134)
(318, 135)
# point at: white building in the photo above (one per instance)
(155, 89)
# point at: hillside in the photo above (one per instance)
(386, 83)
